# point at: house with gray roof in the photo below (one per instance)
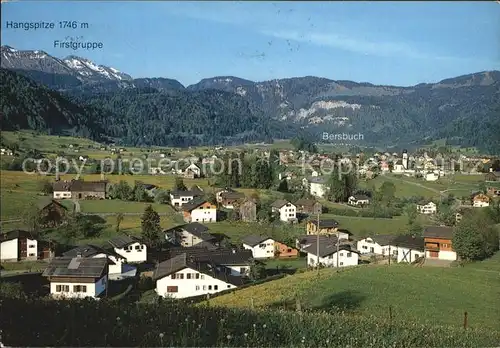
(262, 247)
(186, 276)
(190, 235)
(329, 253)
(116, 265)
(77, 277)
(131, 248)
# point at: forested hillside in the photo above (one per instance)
(26, 105)
(222, 110)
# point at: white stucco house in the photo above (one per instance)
(262, 247)
(131, 248)
(77, 277)
(199, 210)
(439, 243)
(190, 235)
(236, 262)
(481, 201)
(184, 276)
(358, 200)
(331, 255)
(179, 198)
(19, 245)
(287, 210)
(429, 208)
(318, 186)
(377, 245)
(431, 176)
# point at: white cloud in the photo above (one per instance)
(357, 45)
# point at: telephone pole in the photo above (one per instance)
(338, 242)
(317, 244)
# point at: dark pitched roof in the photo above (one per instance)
(438, 232)
(181, 193)
(218, 257)
(253, 240)
(45, 201)
(80, 185)
(14, 234)
(232, 195)
(382, 239)
(317, 180)
(122, 241)
(313, 238)
(361, 197)
(183, 261)
(193, 204)
(327, 223)
(89, 251)
(326, 249)
(196, 229)
(76, 267)
(305, 202)
(279, 203)
(149, 186)
(410, 242)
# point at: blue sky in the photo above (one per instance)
(384, 43)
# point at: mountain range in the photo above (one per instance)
(465, 110)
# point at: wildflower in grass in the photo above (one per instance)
(228, 337)
(264, 326)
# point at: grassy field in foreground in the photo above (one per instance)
(438, 296)
(174, 324)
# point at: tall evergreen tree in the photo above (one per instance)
(150, 225)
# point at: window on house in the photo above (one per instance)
(228, 286)
(172, 289)
(31, 246)
(243, 270)
(444, 245)
(349, 254)
(188, 276)
(181, 275)
(216, 287)
(210, 287)
(62, 288)
(289, 250)
(173, 276)
(137, 247)
(204, 287)
(31, 254)
(197, 275)
(341, 263)
(202, 276)
(80, 288)
(197, 287)
(341, 254)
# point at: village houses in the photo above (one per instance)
(19, 245)
(185, 276)
(480, 201)
(131, 248)
(287, 211)
(262, 247)
(308, 206)
(79, 189)
(438, 243)
(191, 234)
(77, 277)
(429, 208)
(199, 210)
